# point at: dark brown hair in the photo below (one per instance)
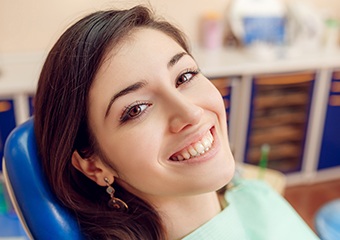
(61, 127)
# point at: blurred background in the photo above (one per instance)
(275, 62)
(34, 25)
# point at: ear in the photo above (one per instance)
(92, 167)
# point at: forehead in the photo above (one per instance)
(140, 41)
(141, 48)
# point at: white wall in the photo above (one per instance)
(34, 25)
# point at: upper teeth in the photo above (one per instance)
(195, 149)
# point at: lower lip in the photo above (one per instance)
(206, 156)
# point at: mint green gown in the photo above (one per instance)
(254, 212)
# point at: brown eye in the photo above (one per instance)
(134, 111)
(186, 77)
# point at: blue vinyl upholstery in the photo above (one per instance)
(38, 209)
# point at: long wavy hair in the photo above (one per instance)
(61, 123)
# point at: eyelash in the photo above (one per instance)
(128, 110)
(193, 72)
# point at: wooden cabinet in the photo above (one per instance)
(278, 117)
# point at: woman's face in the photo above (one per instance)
(158, 121)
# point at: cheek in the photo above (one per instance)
(132, 151)
(136, 159)
(213, 100)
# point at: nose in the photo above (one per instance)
(183, 113)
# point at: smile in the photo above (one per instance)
(195, 149)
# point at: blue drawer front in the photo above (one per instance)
(7, 122)
(330, 147)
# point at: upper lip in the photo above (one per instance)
(191, 137)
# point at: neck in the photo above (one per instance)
(185, 214)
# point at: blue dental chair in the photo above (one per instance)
(38, 209)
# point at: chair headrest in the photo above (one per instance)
(44, 216)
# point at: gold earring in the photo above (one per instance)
(114, 202)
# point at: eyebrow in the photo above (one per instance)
(132, 88)
(138, 85)
(176, 58)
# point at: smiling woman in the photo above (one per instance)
(121, 105)
(160, 105)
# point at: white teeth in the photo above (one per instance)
(192, 151)
(186, 155)
(196, 149)
(199, 147)
(206, 142)
(210, 137)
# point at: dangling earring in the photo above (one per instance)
(114, 202)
